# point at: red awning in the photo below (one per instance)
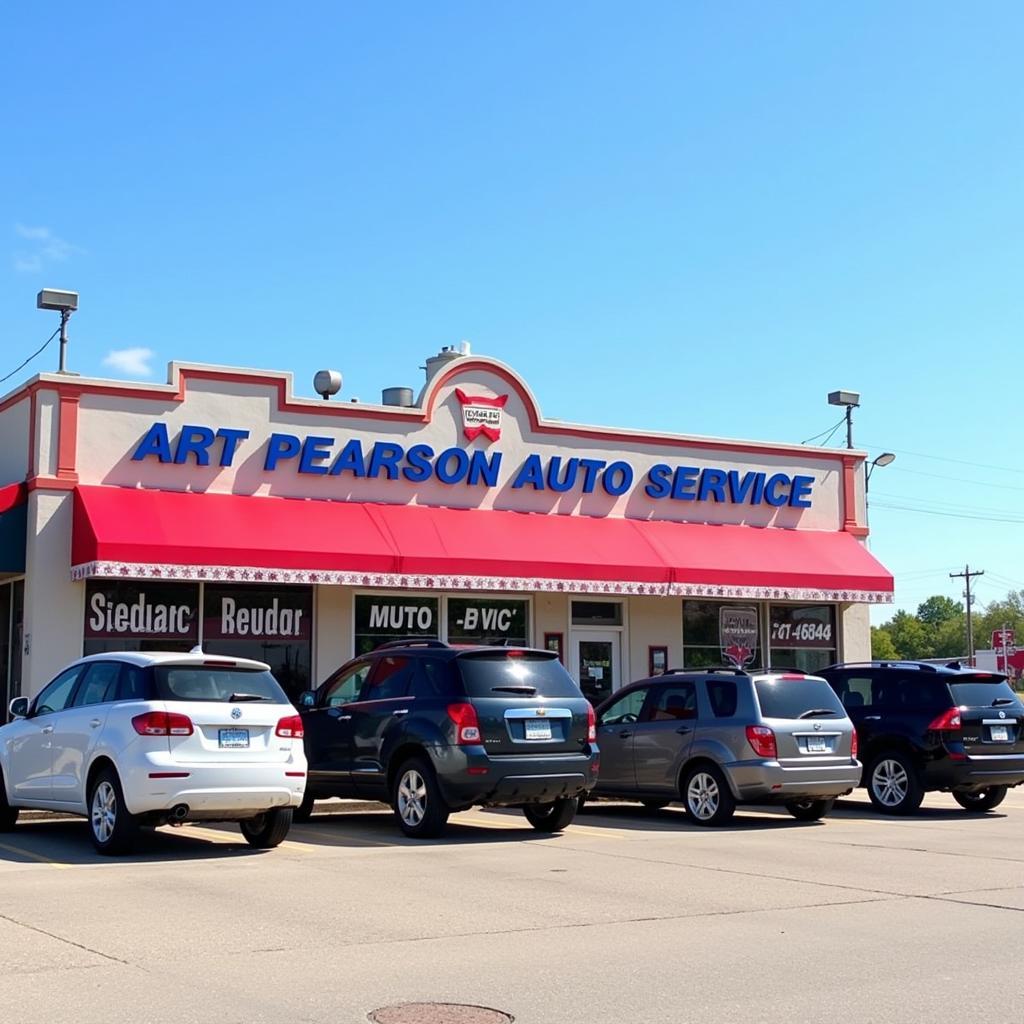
(139, 533)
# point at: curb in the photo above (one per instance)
(323, 807)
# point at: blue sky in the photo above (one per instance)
(695, 217)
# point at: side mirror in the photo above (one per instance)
(19, 707)
(307, 699)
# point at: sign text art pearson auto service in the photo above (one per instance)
(325, 456)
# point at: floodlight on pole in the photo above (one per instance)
(849, 399)
(882, 460)
(65, 303)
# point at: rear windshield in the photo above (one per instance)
(982, 692)
(794, 698)
(527, 675)
(207, 682)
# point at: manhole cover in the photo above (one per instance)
(439, 1013)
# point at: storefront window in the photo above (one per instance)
(271, 624)
(596, 613)
(132, 615)
(384, 617)
(721, 633)
(802, 636)
(484, 620)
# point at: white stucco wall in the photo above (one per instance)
(14, 432)
(332, 637)
(654, 621)
(855, 632)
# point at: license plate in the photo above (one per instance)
(536, 730)
(1000, 733)
(817, 745)
(233, 737)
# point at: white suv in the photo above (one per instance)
(133, 739)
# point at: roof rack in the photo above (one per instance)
(921, 666)
(713, 670)
(788, 669)
(410, 641)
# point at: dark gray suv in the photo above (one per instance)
(433, 729)
(717, 738)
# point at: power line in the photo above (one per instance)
(31, 357)
(945, 506)
(956, 479)
(949, 515)
(830, 431)
(945, 458)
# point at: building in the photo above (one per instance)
(221, 509)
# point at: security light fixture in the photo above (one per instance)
(847, 398)
(327, 383)
(64, 303)
(884, 459)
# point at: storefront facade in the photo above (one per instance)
(219, 509)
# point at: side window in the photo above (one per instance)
(674, 702)
(389, 679)
(133, 684)
(345, 686)
(57, 695)
(99, 683)
(626, 709)
(722, 696)
(856, 692)
(433, 679)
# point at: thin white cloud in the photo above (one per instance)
(45, 248)
(132, 362)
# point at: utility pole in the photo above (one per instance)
(967, 576)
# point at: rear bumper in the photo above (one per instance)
(769, 781)
(214, 791)
(975, 772)
(504, 781)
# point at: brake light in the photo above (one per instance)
(467, 728)
(591, 724)
(291, 728)
(762, 740)
(162, 723)
(948, 721)
(853, 745)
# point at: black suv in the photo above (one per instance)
(926, 727)
(433, 729)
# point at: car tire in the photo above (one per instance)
(112, 829)
(305, 810)
(581, 802)
(417, 802)
(554, 816)
(8, 814)
(810, 810)
(267, 830)
(707, 797)
(655, 805)
(981, 800)
(893, 783)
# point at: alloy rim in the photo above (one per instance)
(104, 811)
(889, 782)
(412, 798)
(702, 796)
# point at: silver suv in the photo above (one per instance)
(716, 738)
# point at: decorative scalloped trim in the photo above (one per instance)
(410, 581)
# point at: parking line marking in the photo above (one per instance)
(345, 840)
(18, 851)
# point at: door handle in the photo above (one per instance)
(95, 722)
(871, 718)
(344, 718)
(47, 728)
(401, 711)
(683, 730)
(625, 734)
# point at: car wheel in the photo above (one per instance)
(981, 799)
(707, 796)
(655, 805)
(267, 830)
(554, 816)
(893, 785)
(112, 828)
(417, 801)
(305, 810)
(810, 810)
(8, 814)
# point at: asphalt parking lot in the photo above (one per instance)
(627, 916)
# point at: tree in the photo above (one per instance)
(882, 647)
(938, 609)
(1009, 612)
(910, 636)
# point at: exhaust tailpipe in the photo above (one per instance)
(179, 813)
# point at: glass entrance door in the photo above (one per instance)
(596, 664)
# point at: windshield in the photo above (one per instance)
(215, 683)
(982, 692)
(794, 698)
(498, 673)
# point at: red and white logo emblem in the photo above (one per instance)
(481, 415)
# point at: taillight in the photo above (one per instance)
(162, 723)
(290, 728)
(948, 721)
(467, 728)
(853, 744)
(762, 739)
(591, 725)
